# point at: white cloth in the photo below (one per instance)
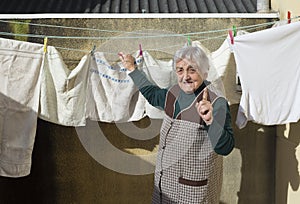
(112, 96)
(220, 59)
(20, 64)
(268, 64)
(63, 91)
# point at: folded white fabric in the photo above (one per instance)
(63, 91)
(20, 65)
(268, 64)
(112, 96)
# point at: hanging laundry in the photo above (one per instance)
(268, 64)
(63, 91)
(112, 96)
(220, 59)
(19, 100)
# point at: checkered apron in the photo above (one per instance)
(187, 169)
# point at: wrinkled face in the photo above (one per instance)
(188, 76)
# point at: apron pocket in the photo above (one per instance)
(192, 192)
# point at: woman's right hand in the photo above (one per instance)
(127, 60)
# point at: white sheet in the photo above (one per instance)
(63, 91)
(268, 64)
(20, 64)
(112, 96)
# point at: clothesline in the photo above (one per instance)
(222, 37)
(95, 38)
(138, 33)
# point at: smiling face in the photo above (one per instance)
(188, 76)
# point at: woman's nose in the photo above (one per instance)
(186, 74)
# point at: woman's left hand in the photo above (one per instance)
(205, 109)
(127, 60)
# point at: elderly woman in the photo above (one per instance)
(195, 132)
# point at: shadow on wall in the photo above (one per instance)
(63, 171)
(39, 186)
(256, 144)
(287, 172)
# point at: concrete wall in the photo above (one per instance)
(287, 164)
(288, 137)
(283, 6)
(63, 171)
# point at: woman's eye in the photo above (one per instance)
(179, 70)
(192, 70)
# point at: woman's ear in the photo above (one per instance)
(204, 76)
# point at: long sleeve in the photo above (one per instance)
(154, 94)
(220, 131)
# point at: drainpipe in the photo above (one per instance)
(263, 6)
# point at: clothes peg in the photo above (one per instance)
(139, 60)
(234, 30)
(189, 41)
(289, 17)
(93, 50)
(231, 36)
(120, 54)
(141, 51)
(45, 43)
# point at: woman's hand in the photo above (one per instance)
(205, 109)
(127, 60)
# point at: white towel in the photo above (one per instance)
(268, 64)
(63, 91)
(20, 64)
(112, 96)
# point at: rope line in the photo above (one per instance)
(200, 38)
(138, 33)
